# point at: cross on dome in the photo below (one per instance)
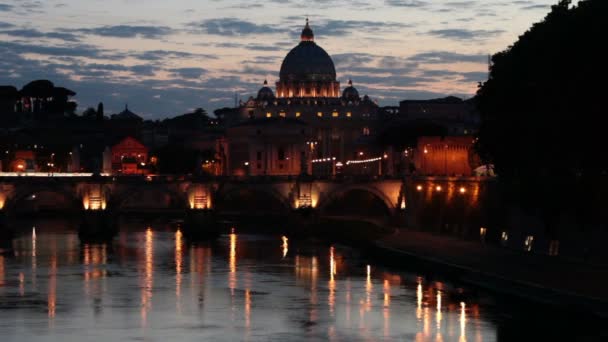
(307, 34)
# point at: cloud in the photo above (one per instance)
(128, 31)
(4, 25)
(446, 57)
(406, 3)
(5, 7)
(536, 7)
(191, 73)
(348, 27)
(233, 27)
(69, 50)
(155, 55)
(32, 33)
(465, 34)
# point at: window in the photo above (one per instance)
(269, 115)
(349, 114)
(335, 114)
(298, 114)
(365, 131)
(307, 90)
(320, 114)
(282, 114)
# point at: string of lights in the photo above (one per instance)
(351, 162)
(324, 160)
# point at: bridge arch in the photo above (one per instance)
(261, 199)
(140, 197)
(373, 200)
(41, 198)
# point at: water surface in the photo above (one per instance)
(151, 284)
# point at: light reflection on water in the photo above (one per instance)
(154, 285)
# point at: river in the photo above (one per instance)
(151, 284)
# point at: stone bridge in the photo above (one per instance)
(259, 195)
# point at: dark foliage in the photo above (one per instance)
(542, 114)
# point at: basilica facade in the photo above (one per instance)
(308, 124)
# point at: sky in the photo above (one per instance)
(165, 58)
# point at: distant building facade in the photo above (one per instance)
(129, 157)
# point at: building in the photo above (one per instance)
(323, 121)
(456, 115)
(445, 156)
(129, 157)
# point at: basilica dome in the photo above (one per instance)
(307, 61)
(350, 93)
(265, 93)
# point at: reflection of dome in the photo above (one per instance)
(265, 93)
(307, 61)
(350, 93)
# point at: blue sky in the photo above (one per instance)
(165, 58)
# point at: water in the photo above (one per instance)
(150, 284)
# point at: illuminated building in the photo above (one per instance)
(307, 118)
(129, 157)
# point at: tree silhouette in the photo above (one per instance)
(542, 112)
(100, 111)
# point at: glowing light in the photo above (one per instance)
(285, 246)
(528, 243)
(419, 297)
(52, 295)
(247, 309)
(148, 280)
(403, 204)
(332, 263)
(332, 283)
(462, 190)
(368, 289)
(387, 293)
(178, 264)
(439, 314)
(232, 262)
(419, 188)
(350, 162)
(438, 188)
(463, 322)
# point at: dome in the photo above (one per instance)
(350, 93)
(307, 61)
(265, 93)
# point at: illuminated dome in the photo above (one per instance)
(307, 61)
(350, 93)
(265, 92)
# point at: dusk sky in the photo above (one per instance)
(166, 58)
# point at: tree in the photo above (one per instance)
(89, 113)
(542, 113)
(100, 111)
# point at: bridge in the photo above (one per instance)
(386, 197)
